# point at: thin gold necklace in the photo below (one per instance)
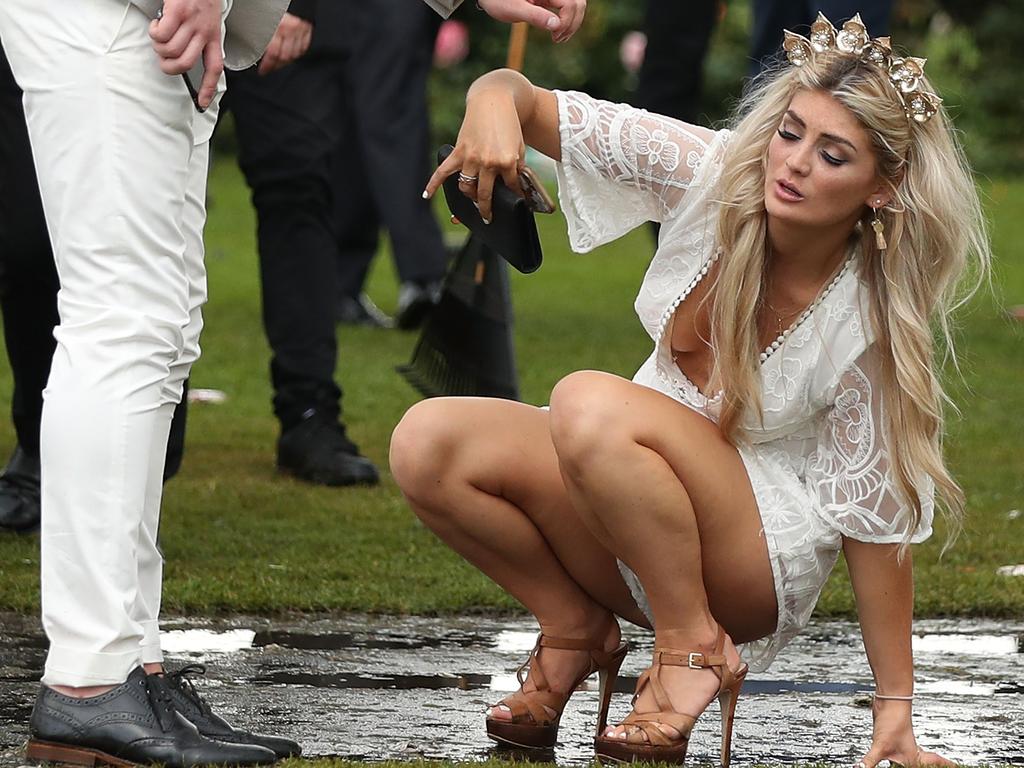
(808, 310)
(779, 315)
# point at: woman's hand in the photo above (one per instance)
(490, 145)
(893, 738)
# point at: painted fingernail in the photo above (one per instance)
(486, 221)
(426, 195)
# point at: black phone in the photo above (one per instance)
(193, 80)
(512, 232)
(154, 9)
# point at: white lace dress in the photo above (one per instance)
(818, 464)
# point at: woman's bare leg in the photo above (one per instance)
(671, 498)
(483, 475)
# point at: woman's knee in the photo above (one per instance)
(422, 446)
(588, 417)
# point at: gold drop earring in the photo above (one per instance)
(879, 227)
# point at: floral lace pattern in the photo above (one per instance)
(849, 470)
(817, 459)
(622, 166)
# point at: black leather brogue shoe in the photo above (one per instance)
(192, 705)
(133, 723)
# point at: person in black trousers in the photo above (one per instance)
(384, 55)
(288, 123)
(672, 74)
(773, 16)
(28, 290)
(678, 35)
(28, 301)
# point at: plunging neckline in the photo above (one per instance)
(765, 353)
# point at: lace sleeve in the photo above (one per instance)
(622, 166)
(849, 470)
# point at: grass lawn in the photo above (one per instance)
(239, 538)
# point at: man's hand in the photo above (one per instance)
(291, 41)
(560, 17)
(187, 31)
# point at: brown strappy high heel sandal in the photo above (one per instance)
(532, 726)
(645, 740)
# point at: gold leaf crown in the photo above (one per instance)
(904, 73)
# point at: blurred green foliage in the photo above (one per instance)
(973, 47)
(975, 52)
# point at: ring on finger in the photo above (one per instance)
(466, 179)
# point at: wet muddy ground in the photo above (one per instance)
(376, 688)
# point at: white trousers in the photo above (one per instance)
(122, 158)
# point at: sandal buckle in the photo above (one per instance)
(691, 660)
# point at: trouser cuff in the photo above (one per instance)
(77, 669)
(151, 653)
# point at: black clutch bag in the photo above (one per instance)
(512, 232)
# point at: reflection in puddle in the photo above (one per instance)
(961, 688)
(375, 682)
(508, 641)
(337, 641)
(967, 644)
(507, 683)
(515, 642)
(180, 641)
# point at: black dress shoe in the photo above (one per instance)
(135, 722)
(360, 310)
(19, 493)
(415, 300)
(318, 451)
(189, 703)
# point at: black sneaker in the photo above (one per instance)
(135, 722)
(189, 703)
(318, 451)
(19, 493)
(415, 301)
(360, 310)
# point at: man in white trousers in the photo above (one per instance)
(121, 155)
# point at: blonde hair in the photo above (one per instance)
(933, 224)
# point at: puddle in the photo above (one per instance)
(379, 682)
(380, 688)
(969, 645)
(507, 683)
(205, 641)
(347, 640)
